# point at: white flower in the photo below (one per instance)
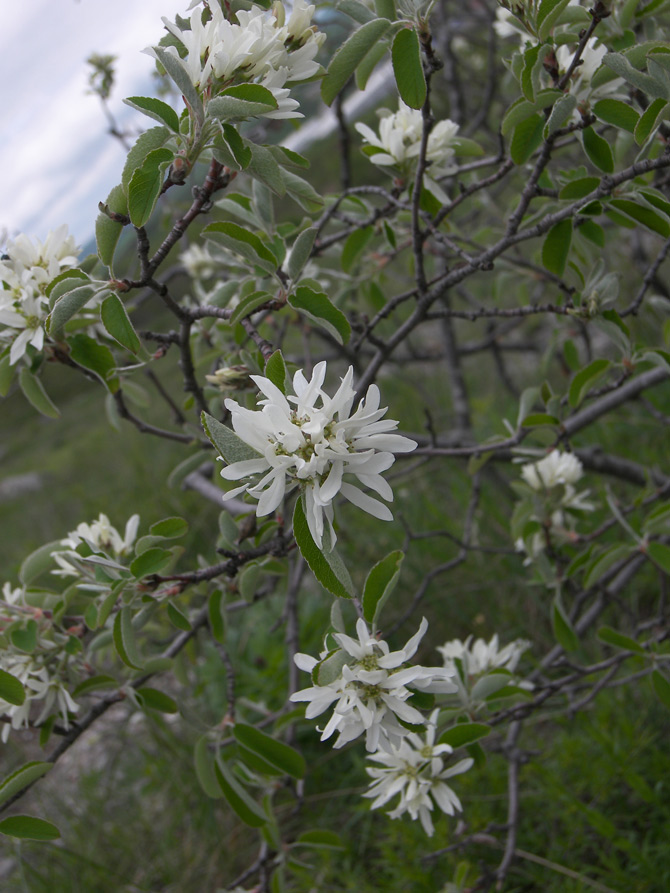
(415, 769)
(480, 656)
(555, 469)
(39, 686)
(199, 263)
(580, 80)
(400, 140)
(371, 689)
(286, 107)
(312, 440)
(100, 536)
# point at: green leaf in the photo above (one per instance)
(547, 14)
(238, 799)
(28, 827)
(275, 370)
(371, 61)
(170, 528)
(240, 240)
(177, 619)
(69, 304)
(661, 687)
(537, 419)
(530, 75)
(6, 375)
(318, 307)
(93, 684)
(87, 352)
(560, 113)
(563, 631)
(407, 68)
(124, 639)
(579, 188)
(649, 120)
(107, 231)
(151, 139)
(302, 192)
(33, 391)
(612, 637)
(660, 555)
(242, 101)
(204, 768)
(149, 562)
(249, 305)
(653, 221)
(155, 108)
(241, 152)
(585, 379)
(349, 55)
(354, 247)
(327, 566)
(146, 184)
(157, 700)
(177, 71)
(522, 109)
(25, 639)
(617, 113)
(38, 562)
(216, 610)
(11, 689)
(61, 283)
(185, 467)
(316, 838)
(380, 583)
(602, 563)
(301, 253)
(556, 247)
(264, 167)
(464, 733)
(598, 150)
(117, 323)
(593, 231)
(275, 752)
(526, 138)
(489, 685)
(230, 446)
(26, 775)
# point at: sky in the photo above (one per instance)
(56, 157)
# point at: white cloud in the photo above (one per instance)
(56, 157)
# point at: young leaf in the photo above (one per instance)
(229, 445)
(318, 307)
(379, 584)
(300, 253)
(242, 101)
(108, 231)
(327, 566)
(407, 68)
(151, 139)
(28, 827)
(170, 528)
(90, 354)
(24, 776)
(69, 304)
(547, 15)
(240, 802)
(249, 305)
(124, 639)
(155, 108)
(275, 752)
(464, 733)
(243, 242)
(275, 370)
(115, 319)
(33, 391)
(349, 55)
(177, 71)
(11, 689)
(585, 379)
(561, 112)
(145, 185)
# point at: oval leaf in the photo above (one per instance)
(407, 68)
(28, 827)
(276, 752)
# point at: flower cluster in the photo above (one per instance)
(313, 441)
(99, 536)
(480, 657)
(25, 271)
(558, 469)
(260, 46)
(369, 688)
(40, 672)
(416, 770)
(399, 142)
(580, 82)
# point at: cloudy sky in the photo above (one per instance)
(56, 159)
